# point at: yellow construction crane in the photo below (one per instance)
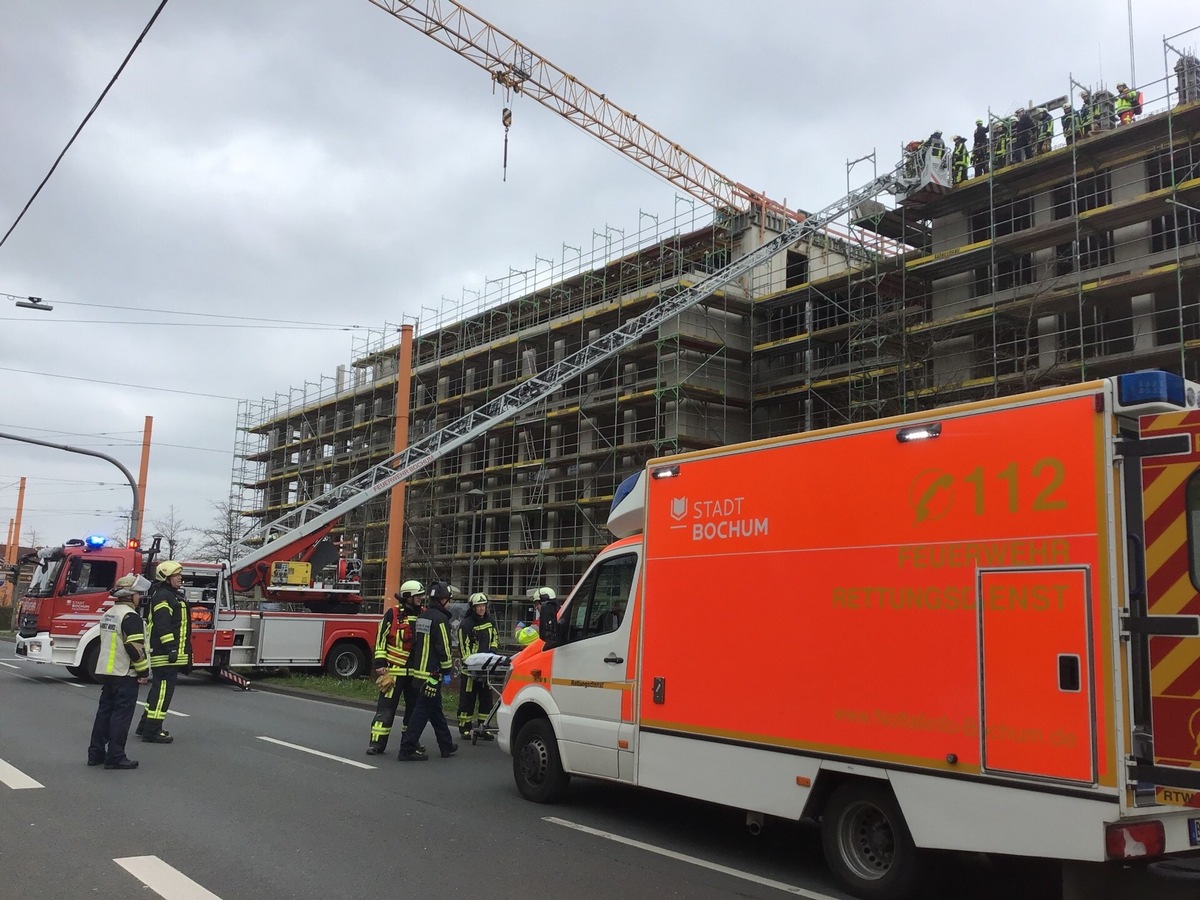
(520, 70)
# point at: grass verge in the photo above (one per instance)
(349, 688)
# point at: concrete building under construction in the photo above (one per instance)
(1081, 261)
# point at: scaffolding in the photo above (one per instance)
(1081, 261)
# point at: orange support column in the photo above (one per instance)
(395, 539)
(141, 512)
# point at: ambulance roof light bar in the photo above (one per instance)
(1152, 391)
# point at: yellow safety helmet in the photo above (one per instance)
(168, 568)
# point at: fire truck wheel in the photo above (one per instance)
(537, 767)
(346, 660)
(86, 669)
(867, 843)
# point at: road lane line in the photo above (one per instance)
(695, 861)
(349, 762)
(10, 665)
(15, 778)
(170, 712)
(164, 880)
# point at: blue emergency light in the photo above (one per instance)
(94, 541)
(1150, 387)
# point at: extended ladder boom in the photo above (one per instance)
(307, 519)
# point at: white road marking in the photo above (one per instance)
(349, 762)
(682, 857)
(163, 879)
(170, 712)
(10, 665)
(15, 778)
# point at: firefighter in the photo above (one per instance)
(477, 634)
(1045, 130)
(1068, 124)
(392, 646)
(545, 608)
(120, 667)
(1023, 136)
(979, 150)
(428, 662)
(1085, 116)
(960, 159)
(170, 649)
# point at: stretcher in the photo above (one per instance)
(492, 669)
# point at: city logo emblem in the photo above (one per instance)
(1194, 731)
(679, 508)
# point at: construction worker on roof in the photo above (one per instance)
(170, 639)
(1127, 105)
(477, 634)
(392, 646)
(960, 159)
(979, 150)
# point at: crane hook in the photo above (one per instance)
(506, 119)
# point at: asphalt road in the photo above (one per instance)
(242, 806)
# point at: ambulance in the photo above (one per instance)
(975, 628)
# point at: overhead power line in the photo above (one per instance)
(144, 387)
(95, 106)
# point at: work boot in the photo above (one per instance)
(122, 764)
(412, 756)
(446, 754)
(376, 749)
(160, 737)
(486, 736)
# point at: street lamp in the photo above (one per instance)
(35, 303)
(475, 498)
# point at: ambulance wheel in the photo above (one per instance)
(537, 767)
(346, 660)
(867, 843)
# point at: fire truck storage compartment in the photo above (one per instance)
(290, 641)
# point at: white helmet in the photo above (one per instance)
(478, 598)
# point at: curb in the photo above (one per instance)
(311, 695)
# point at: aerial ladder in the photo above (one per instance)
(296, 529)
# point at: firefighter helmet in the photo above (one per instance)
(168, 568)
(479, 598)
(411, 588)
(439, 591)
(124, 587)
(544, 594)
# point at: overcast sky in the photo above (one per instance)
(318, 161)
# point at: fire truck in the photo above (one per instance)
(971, 629)
(270, 613)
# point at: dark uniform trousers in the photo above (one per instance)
(385, 710)
(118, 700)
(428, 711)
(158, 699)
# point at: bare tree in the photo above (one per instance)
(174, 534)
(227, 526)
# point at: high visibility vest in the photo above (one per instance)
(114, 658)
(961, 156)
